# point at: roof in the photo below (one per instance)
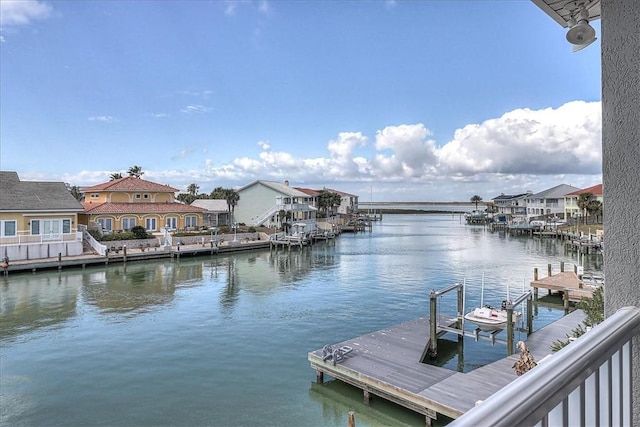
(280, 188)
(212, 205)
(25, 196)
(138, 208)
(554, 192)
(131, 183)
(308, 191)
(342, 193)
(561, 10)
(596, 190)
(510, 196)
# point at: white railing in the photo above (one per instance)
(95, 245)
(22, 239)
(587, 383)
(265, 216)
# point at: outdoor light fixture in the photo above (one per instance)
(580, 33)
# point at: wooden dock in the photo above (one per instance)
(387, 364)
(569, 283)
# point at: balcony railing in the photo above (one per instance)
(586, 383)
(23, 239)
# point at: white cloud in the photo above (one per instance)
(23, 12)
(194, 109)
(105, 119)
(563, 140)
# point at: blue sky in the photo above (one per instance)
(390, 100)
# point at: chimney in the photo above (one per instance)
(286, 182)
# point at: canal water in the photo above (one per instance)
(223, 340)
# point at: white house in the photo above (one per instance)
(262, 202)
(549, 202)
(348, 202)
(511, 204)
(216, 213)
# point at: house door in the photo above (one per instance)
(172, 223)
(151, 224)
(51, 229)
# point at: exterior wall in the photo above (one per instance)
(141, 219)
(254, 201)
(128, 197)
(620, 160)
(571, 208)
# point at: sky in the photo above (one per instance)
(388, 100)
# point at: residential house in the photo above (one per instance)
(348, 203)
(124, 203)
(261, 202)
(571, 208)
(548, 203)
(511, 204)
(216, 211)
(37, 219)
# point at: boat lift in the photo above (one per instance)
(439, 325)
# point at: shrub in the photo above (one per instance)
(139, 232)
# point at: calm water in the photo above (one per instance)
(223, 341)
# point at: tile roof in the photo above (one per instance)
(130, 183)
(308, 191)
(138, 208)
(16, 195)
(596, 190)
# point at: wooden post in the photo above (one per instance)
(562, 266)
(351, 419)
(548, 269)
(529, 316)
(535, 273)
(433, 327)
(319, 376)
(535, 288)
(509, 328)
(565, 298)
(367, 395)
(124, 253)
(59, 261)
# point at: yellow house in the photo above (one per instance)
(37, 219)
(571, 208)
(124, 203)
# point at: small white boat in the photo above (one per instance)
(489, 318)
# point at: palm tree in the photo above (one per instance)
(476, 199)
(193, 189)
(328, 200)
(115, 175)
(77, 193)
(135, 171)
(584, 199)
(232, 198)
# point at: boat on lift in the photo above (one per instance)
(489, 318)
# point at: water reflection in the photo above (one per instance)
(37, 302)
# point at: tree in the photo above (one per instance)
(76, 193)
(476, 199)
(115, 175)
(232, 198)
(185, 198)
(218, 193)
(594, 208)
(584, 199)
(135, 171)
(328, 200)
(193, 189)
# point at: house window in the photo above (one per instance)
(151, 224)
(95, 195)
(138, 196)
(106, 224)
(7, 228)
(172, 223)
(190, 221)
(145, 196)
(66, 226)
(128, 223)
(35, 227)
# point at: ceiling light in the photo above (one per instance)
(581, 34)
